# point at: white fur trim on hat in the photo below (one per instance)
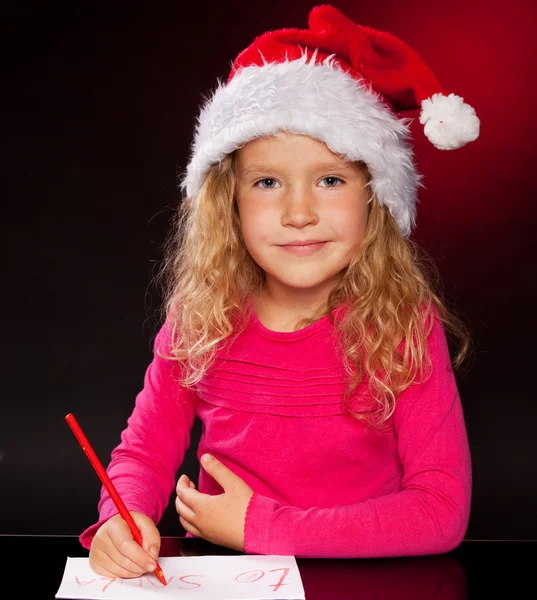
(449, 122)
(319, 100)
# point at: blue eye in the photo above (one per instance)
(332, 181)
(266, 184)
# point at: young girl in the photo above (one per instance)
(299, 325)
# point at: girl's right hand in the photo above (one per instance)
(115, 553)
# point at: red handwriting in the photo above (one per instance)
(110, 580)
(194, 583)
(145, 579)
(84, 582)
(250, 576)
(246, 577)
(278, 585)
(152, 580)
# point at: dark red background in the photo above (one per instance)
(97, 120)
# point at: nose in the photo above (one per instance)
(299, 209)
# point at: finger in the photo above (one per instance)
(101, 564)
(187, 525)
(220, 472)
(191, 497)
(150, 534)
(183, 510)
(105, 573)
(183, 482)
(122, 559)
(125, 552)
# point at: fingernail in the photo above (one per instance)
(206, 458)
(151, 567)
(153, 551)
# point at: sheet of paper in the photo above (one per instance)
(242, 577)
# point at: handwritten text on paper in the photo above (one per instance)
(243, 577)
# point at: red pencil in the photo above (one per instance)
(103, 476)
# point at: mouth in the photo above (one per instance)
(303, 248)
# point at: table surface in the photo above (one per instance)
(473, 570)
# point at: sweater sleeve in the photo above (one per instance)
(430, 513)
(144, 465)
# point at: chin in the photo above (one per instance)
(304, 281)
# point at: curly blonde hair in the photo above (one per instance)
(391, 290)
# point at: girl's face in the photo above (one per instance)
(303, 211)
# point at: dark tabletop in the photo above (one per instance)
(476, 569)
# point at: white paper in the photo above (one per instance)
(242, 577)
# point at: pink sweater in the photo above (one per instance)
(324, 485)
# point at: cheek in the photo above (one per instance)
(255, 225)
(350, 224)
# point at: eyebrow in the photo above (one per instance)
(258, 169)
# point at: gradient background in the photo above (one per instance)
(97, 121)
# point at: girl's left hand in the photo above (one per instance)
(217, 519)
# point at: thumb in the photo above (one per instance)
(219, 472)
(150, 533)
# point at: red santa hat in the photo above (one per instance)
(341, 83)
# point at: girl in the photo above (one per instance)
(299, 325)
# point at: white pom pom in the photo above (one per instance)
(448, 122)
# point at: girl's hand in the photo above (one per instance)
(114, 553)
(218, 519)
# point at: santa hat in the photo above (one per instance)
(341, 83)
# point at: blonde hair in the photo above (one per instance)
(390, 289)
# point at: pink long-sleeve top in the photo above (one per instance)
(324, 484)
